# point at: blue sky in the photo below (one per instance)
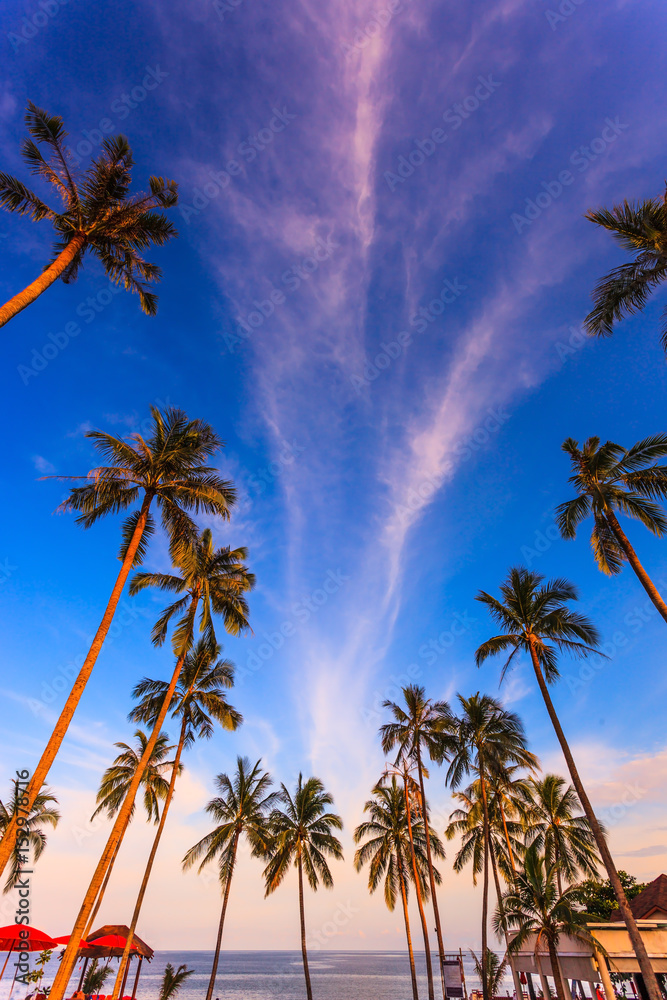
(403, 464)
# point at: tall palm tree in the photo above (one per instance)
(535, 906)
(198, 701)
(559, 832)
(535, 619)
(424, 727)
(114, 786)
(487, 738)
(641, 229)
(413, 816)
(167, 468)
(32, 838)
(118, 776)
(608, 478)
(387, 851)
(302, 837)
(214, 581)
(98, 215)
(240, 810)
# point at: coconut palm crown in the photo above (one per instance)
(609, 478)
(168, 466)
(641, 229)
(535, 906)
(116, 779)
(43, 812)
(212, 581)
(533, 614)
(559, 831)
(199, 698)
(98, 215)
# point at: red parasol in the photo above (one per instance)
(31, 938)
(64, 939)
(111, 941)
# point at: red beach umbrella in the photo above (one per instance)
(36, 940)
(64, 939)
(31, 940)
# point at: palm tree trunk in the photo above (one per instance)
(485, 893)
(25, 298)
(404, 900)
(304, 950)
(418, 893)
(58, 735)
(434, 898)
(633, 931)
(218, 943)
(631, 556)
(507, 837)
(122, 968)
(501, 910)
(559, 881)
(555, 971)
(115, 837)
(100, 896)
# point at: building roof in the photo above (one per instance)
(651, 900)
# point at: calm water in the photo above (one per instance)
(265, 975)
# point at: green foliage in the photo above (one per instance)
(641, 229)
(117, 778)
(598, 899)
(199, 697)
(422, 725)
(386, 848)
(609, 478)
(213, 580)
(169, 466)
(555, 824)
(97, 208)
(35, 975)
(301, 835)
(532, 613)
(95, 978)
(31, 837)
(241, 808)
(173, 980)
(535, 905)
(493, 970)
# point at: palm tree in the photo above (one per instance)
(487, 739)
(423, 727)
(301, 836)
(117, 778)
(493, 969)
(535, 906)
(214, 581)
(413, 815)
(563, 837)
(199, 699)
(241, 809)
(641, 229)
(32, 837)
(609, 478)
(172, 980)
(388, 852)
(535, 619)
(167, 467)
(114, 786)
(98, 215)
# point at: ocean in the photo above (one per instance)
(267, 975)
